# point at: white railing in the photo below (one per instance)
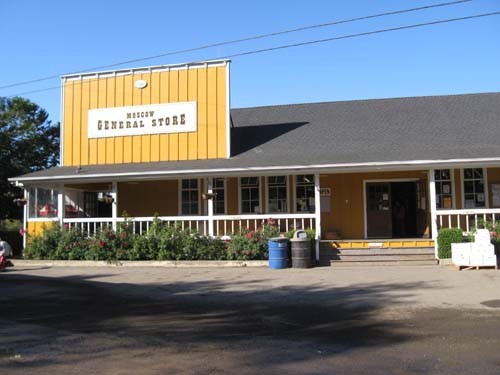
(88, 225)
(466, 218)
(223, 225)
(140, 225)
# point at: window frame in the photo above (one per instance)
(224, 188)
(287, 195)
(240, 196)
(486, 194)
(180, 191)
(54, 193)
(295, 184)
(452, 192)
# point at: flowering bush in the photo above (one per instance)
(252, 245)
(45, 245)
(160, 242)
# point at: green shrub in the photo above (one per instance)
(446, 237)
(160, 242)
(252, 245)
(44, 246)
(10, 225)
(73, 245)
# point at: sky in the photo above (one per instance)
(54, 37)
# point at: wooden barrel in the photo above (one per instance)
(301, 253)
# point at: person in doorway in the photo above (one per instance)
(5, 253)
(399, 214)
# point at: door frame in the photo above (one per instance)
(389, 180)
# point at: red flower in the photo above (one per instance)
(22, 232)
(249, 235)
(271, 221)
(102, 243)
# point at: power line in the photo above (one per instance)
(246, 39)
(361, 34)
(349, 36)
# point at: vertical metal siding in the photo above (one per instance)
(206, 86)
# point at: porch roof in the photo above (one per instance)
(379, 134)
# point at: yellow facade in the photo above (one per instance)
(36, 228)
(206, 85)
(346, 212)
(148, 198)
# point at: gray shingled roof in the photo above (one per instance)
(355, 132)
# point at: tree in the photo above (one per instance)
(28, 143)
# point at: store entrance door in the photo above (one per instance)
(378, 210)
(391, 209)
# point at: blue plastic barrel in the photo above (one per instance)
(278, 253)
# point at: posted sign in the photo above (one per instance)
(142, 119)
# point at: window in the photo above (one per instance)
(250, 195)
(474, 190)
(304, 193)
(220, 197)
(277, 194)
(42, 203)
(189, 197)
(444, 188)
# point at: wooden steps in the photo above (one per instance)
(378, 256)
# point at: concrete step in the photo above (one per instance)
(376, 258)
(343, 263)
(385, 251)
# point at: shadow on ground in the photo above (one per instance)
(77, 316)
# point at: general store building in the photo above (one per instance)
(367, 173)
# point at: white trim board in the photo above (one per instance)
(271, 170)
(147, 69)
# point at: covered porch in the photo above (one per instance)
(347, 209)
(212, 206)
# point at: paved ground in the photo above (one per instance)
(404, 320)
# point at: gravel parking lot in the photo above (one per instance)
(115, 320)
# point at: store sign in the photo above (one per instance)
(142, 119)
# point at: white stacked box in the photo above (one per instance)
(476, 254)
(460, 253)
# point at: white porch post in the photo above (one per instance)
(317, 208)
(25, 217)
(60, 205)
(432, 203)
(210, 206)
(114, 205)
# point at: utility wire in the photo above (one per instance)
(246, 39)
(349, 36)
(360, 34)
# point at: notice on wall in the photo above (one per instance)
(142, 119)
(325, 199)
(495, 195)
